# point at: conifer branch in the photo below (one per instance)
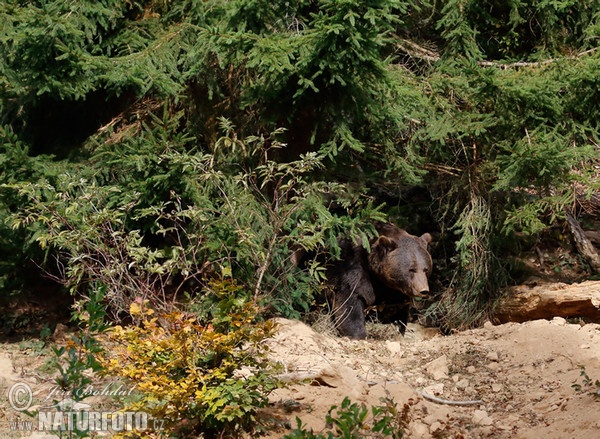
(414, 50)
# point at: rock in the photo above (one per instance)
(435, 389)
(418, 430)
(421, 381)
(493, 366)
(488, 325)
(496, 387)
(438, 368)
(394, 347)
(480, 417)
(559, 321)
(462, 384)
(339, 376)
(435, 427)
(471, 369)
(492, 356)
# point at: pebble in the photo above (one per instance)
(438, 368)
(493, 356)
(394, 347)
(421, 381)
(493, 366)
(435, 427)
(471, 369)
(480, 417)
(462, 384)
(419, 430)
(496, 387)
(435, 389)
(488, 325)
(559, 321)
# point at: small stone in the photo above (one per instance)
(487, 431)
(456, 378)
(419, 430)
(435, 427)
(480, 417)
(559, 321)
(394, 347)
(438, 368)
(435, 389)
(488, 325)
(492, 356)
(496, 387)
(584, 346)
(493, 366)
(421, 381)
(471, 369)
(462, 384)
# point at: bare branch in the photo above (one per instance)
(414, 50)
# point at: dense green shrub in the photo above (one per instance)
(476, 120)
(154, 220)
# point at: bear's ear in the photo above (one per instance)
(387, 244)
(425, 239)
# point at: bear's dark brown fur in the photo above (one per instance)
(396, 270)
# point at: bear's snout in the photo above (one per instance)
(420, 285)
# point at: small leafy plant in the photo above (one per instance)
(202, 377)
(588, 385)
(79, 356)
(354, 421)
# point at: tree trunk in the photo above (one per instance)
(523, 303)
(583, 244)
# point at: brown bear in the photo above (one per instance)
(395, 271)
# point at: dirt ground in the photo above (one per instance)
(521, 374)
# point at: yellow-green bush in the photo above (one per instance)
(208, 377)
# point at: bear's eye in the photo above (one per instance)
(413, 270)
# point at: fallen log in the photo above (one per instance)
(524, 303)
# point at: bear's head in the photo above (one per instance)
(401, 261)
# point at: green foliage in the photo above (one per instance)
(83, 349)
(79, 358)
(459, 33)
(205, 137)
(153, 219)
(353, 421)
(210, 376)
(587, 385)
(92, 44)
(468, 300)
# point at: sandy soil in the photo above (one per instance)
(522, 374)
